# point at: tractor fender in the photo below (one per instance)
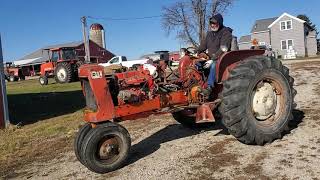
(95, 85)
(230, 60)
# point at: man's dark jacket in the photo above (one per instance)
(214, 40)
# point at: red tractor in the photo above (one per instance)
(253, 97)
(63, 65)
(13, 73)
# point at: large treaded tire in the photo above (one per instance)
(237, 100)
(12, 78)
(43, 80)
(63, 73)
(96, 137)
(22, 78)
(83, 131)
(76, 66)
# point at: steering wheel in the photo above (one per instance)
(201, 57)
(191, 50)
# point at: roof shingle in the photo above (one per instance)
(262, 24)
(244, 39)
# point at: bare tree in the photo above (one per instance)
(189, 18)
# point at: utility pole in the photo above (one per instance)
(85, 39)
(4, 113)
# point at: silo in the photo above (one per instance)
(96, 34)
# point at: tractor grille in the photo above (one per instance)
(89, 96)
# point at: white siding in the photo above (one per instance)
(311, 44)
(262, 37)
(296, 34)
(244, 46)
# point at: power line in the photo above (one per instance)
(124, 19)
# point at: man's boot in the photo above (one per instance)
(207, 92)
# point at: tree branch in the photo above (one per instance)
(189, 18)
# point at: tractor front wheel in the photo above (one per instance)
(257, 100)
(12, 78)
(106, 147)
(83, 131)
(63, 73)
(43, 80)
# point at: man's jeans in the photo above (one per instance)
(212, 75)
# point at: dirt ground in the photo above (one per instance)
(163, 149)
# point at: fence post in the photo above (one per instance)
(4, 113)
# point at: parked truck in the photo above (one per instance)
(122, 60)
(131, 64)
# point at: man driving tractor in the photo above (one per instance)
(217, 37)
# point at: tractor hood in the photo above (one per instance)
(91, 71)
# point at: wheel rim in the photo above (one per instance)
(61, 74)
(109, 149)
(267, 101)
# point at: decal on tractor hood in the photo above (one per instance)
(48, 69)
(96, 74)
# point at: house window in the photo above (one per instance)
(285, 44)
(289, 25)
(290, 43)
(285, 25)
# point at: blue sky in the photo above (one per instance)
(26, 26)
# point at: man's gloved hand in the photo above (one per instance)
(214, 56)
(208, 64)
(203, 56)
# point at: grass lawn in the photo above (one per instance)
(44, 120)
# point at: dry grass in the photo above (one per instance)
(49, 122)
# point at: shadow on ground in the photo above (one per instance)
(177, 131)
(298, 116)
(169, 133)
(29, 108)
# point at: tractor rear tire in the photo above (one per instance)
(76, 66)
(106, 147)
(43, 80)
(22, 78)
(83, 131)
(257, 100)
(79, 64)
(63, 73)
